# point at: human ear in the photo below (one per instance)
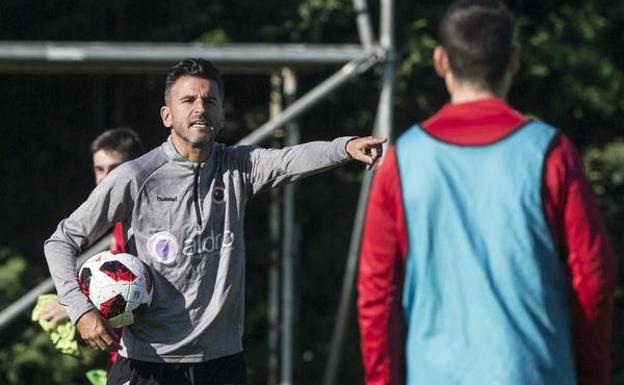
(440, 61)
(165, 115)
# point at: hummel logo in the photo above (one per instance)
(166, 199)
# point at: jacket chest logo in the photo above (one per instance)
(218, 192)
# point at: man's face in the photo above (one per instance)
(104, 162)
(194, 111)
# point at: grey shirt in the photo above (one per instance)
(185, 221)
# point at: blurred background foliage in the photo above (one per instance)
(572, 76)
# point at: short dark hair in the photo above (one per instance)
(123, 141)
(477, 35)
(200, 68)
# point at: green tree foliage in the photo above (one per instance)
(12, 276)
(26, 354)
(572, 76)
(605, 169)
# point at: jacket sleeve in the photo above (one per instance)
(380, 279)
(266, 168)
(579, 230)
(108, 203)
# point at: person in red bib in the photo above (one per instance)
(484, 258)
(110, 149)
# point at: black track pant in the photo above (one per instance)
(228, 370)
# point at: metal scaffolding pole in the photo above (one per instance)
(364, 26)
(289, 291)
(26, 302)
(383, 128)
(348, 71)
(140, 58)
(273, 311)
(385, 112)
(346, 294)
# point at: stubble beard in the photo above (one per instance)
(202, 142)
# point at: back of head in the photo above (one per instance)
(200, 68)
(477, 36)
(123, 141)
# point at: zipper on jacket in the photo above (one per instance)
(196, 170)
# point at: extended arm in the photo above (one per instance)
(272, 167)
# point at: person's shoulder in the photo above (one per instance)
(560, 142)
(414, 130)
(234, 153)
(143, 166)
(563, 146)
(540, 124)
(563, 157)
(235, 157)
(235, 149)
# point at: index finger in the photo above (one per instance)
(375, 140)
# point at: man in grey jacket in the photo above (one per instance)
(183, 204)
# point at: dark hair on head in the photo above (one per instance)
(123, 141)
(477, 35)
(200, 68)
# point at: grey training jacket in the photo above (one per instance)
(185, 221)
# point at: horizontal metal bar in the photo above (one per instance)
(26, 302)
(348, 71)
(102, 57)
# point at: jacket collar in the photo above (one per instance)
(173, 155)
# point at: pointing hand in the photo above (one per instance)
(366, 150)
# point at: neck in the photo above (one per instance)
(464, 97)
(462, 92)
(189, 152)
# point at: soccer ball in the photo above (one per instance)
(118, 285)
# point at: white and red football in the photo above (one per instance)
(119, 285)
